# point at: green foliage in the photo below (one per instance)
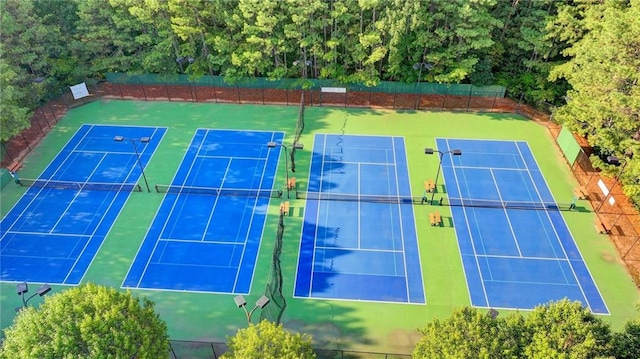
(88, 321)
(561, 329)
(14, 117)
(565, 329)
(267, 340)
(467, 333)
(604, 102)
(626, 344)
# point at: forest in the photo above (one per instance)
(577, 59)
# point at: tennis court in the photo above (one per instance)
(207, 232)
(346, 243)
(523, 254)
(56, 228)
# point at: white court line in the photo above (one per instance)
(234, 157)
(475, 253)
(562, 245)
(113, 200)
(173, 206)
(124, 201)
(525, 257)
(506, 214)
(246, 237)
(360, 249)
(178, 240)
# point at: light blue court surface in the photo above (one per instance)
(358, 250)
(54, 231)
(201, 240)
(513, 258)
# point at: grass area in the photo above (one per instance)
(333, 324)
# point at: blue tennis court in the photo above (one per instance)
(54, 231)
(355, 249)
(206, 234)
(512, 258)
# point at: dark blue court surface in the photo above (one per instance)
(54, 231)
(513, 258)
(207, 232)
(358, 250)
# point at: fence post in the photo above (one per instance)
(493, 106)
(6, 151)
(25, 141)
(144, 91)
(395, 95)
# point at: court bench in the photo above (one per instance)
(581, 192)
(429, 185)
(14, 167)
(292, 183)
(435, 218)
(284, 208)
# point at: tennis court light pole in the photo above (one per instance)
(430, 151)
(23, 288)
(242, 303)
(135, 149)
(296, 146)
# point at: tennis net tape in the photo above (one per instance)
(102, 186)
(462, 202)
(488, 203)
(328, 196)
(236, 192)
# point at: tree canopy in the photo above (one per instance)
(89, 321)
(603, 70)
(560, 329)
(267, 340)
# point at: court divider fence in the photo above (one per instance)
(181, 349)
(274, 311)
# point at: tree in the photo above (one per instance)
(14, 117)
(565, 329)
(626, 345)
(467, 333)
(560, 329)
(267, 340)
(89, 321)
(604, 102)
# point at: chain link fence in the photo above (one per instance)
(180, 349)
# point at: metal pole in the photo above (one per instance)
(135, 149)
(435, 184)
(286, 168)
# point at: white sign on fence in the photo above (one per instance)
(334, 89)
(603, 187)
(79, 91)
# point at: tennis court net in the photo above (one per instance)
(487, 203)
(462, 202)
(236, 192)
(329, 196)
(77, 186)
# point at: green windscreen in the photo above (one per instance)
(568, 145)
